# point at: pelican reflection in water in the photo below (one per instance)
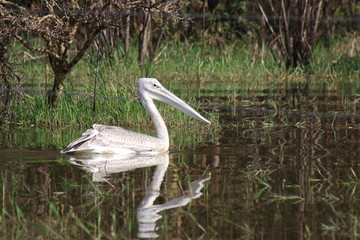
(112, 139)
(148, 213)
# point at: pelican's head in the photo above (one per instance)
(148, 85)
(151, 88)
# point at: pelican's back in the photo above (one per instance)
(112, 139)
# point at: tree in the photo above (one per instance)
(143, 14)
(68, 28)
(62, 26)
(157, 11)
(294, 27)
(7, 72)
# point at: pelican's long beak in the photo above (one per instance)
(168, 97)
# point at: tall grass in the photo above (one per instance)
(209, 69)
(116, 101)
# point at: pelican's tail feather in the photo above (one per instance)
(86, 136)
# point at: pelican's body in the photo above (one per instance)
(112, 139)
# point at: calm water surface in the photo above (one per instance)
(292, 173)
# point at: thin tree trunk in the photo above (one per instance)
(127, 31)
(204, 8)
(145, 36)
(5, 97)
(60, 71)
(4, 74)
(56, 89)
(157, 46)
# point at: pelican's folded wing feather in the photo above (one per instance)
(103, 138)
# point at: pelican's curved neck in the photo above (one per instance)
(160, 126)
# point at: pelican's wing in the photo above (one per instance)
(112, 139)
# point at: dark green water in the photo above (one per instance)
(293, 173)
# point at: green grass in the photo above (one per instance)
(187, 68)
(116, 105)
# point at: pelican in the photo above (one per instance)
(113, 139)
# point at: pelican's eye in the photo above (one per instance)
(155, 85)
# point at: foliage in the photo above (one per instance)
(293, 27)
(9, 78)
(67, 29)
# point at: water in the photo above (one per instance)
(292, 173)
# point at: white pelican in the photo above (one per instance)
(112, 139)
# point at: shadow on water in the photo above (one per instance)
(271, 175)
